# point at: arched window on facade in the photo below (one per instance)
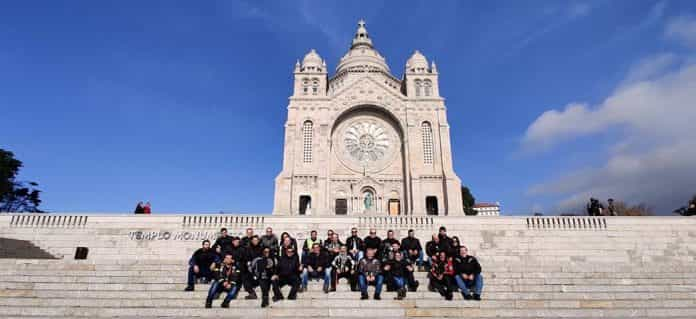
(315, 86)
(418, 84)
(305, 86)
(427, 132)
(307, 132)
(428, 87)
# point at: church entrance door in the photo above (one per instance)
(394, 207)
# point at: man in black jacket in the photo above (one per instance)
(222, 243)
(246, 240)
(264, 269)
(253, 251)
(412, 248)
(270, 241)
(289, 269)
(446, 243)
(316, 265)
(199, 265)
(432, 249)
(396, 270)
(238, 252)
(333, 246)
(372, 241)
(227, 278)
(387, 243)
(468, 274)
(355, 245)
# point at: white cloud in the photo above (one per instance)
(683, 29)
(653, 110)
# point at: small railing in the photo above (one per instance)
(44, 220)
(396, 221)
(210, 221)
(567, 223)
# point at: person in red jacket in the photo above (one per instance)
(146, 209)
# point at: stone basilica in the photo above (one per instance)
(363, 142)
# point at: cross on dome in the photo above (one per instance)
(361, 36)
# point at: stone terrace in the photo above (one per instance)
(535, 267)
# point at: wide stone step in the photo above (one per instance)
(344, 312)
(304, 302)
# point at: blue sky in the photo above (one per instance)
(183, 103)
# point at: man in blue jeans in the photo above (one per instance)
(370, 272)
(468, 274)
(316, 265)
(227, 277)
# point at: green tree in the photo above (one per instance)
(468, 201)
(16, 196)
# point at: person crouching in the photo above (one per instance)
(227, 277)
(264, 270)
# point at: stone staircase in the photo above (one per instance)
(533, 268)
(21, 249)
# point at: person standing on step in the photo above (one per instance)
(227, 278)
(264, 269)
(355, 245)
(252, 252)
(343, 266)
(147, 209)
(316, 265)
(439, 277)
(199, 265)
(370, 273)
(223, 243)
(413, 250)
(446, 242)
(432, 249)
(468, 275)
(289, 269)
(270, 241)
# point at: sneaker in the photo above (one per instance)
(326, 289)
(448, 297)
(225, 304)
(189, 288)
(363, 297)
(264, 304)
(466, 296)
(209, 304)
(275, 299)
(377, 297)
(292, 297)
(477, 297)
(251, 297)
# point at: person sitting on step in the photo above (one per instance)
(289, 269)
(407, 269)
(227, 278)
(223, 243)
(432, 250)
(468, 274)
(199, 265)
(309, 243)
(386, 245)
(355, 245)
(343, 266)
(264, 269)
(253, 251)
(316, 265)
(370, 272)
(413, 250)
(440, 275)
(372, 241)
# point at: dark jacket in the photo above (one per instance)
(316, 261)
(398, 268)
(263, 268)
(446, 244)
(239, 253)
(270, 242)
(355, 241)
(409, 243)
(288, 266)
(370, 266)
(467, 265)
(373, 243)
(203, 258)
(223, 242)
(245, 241)
(227, 273)
(252, 252)
(432, 248)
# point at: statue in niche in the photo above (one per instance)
(368, 200)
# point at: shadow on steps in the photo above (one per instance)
(22, 249)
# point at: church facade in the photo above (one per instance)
(363, 142)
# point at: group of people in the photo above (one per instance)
(596, 208)
(232, 263)
(143, 208)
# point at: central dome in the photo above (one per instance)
(362, 57)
